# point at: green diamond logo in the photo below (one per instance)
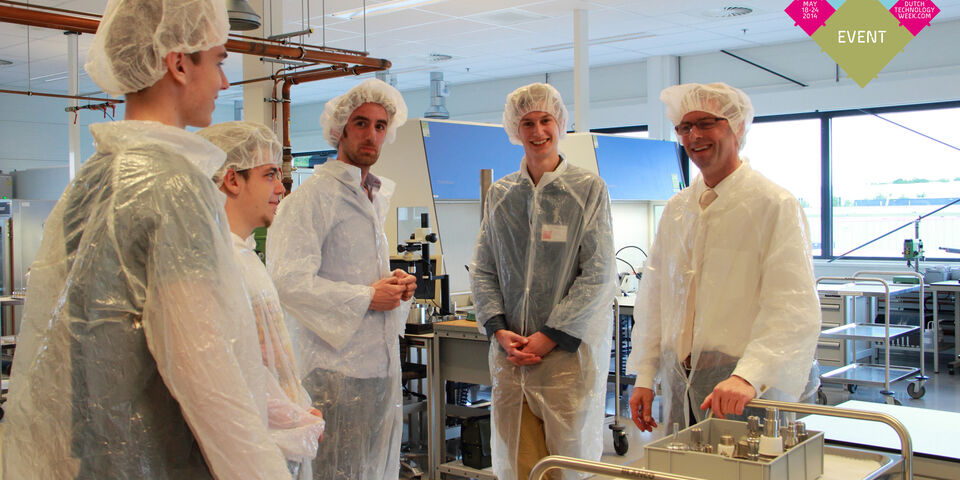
(862, 37)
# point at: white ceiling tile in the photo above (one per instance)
(392, 21)
(463, 8)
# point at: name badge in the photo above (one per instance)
(553, 233)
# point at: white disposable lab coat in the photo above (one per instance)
(757, 314)
(292, 426)
(138, 350)
(544, 260)
(325, 248)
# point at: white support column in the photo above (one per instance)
(662, 72)
(255, 108)
(581, 71)
(73, 78)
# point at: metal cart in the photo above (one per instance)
(873, 374)
(620, 444)
(905, 459)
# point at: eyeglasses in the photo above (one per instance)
(702, 124)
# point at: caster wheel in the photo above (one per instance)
(892, 401)
(916, 392)
(1, 413)
(852, 388)
(821, 397)
(620, 443)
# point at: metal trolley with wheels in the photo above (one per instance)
(872, 374)
(620, 443)
(887, 465)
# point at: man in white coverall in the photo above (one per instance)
(138, 357)
(250, 178)
(543, 282)
(328, 255)
(727, 309)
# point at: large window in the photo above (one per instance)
(888, 170)
(883, 168)
(788, 153)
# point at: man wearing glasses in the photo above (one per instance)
(728, 309)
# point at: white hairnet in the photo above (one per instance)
(135, 35)
(536, 97)
(718, 99)
(247, 145)
(338, 110)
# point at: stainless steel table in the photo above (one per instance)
(954, 287)
(459, 354)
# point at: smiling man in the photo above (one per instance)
(327, 253)
(727, 309)
(543, 282)
(138, 357)
(250, 179)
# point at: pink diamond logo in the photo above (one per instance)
(811, 14)
(914, 15)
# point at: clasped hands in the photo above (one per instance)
(390, 291)
(522, 351)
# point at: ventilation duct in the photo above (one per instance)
(438, 94)
(242, 16)
(385, 76)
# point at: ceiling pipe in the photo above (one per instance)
(56, 21)
(54, 95)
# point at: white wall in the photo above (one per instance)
(34, 131)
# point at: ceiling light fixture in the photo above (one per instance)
(596, 41)
(381, 8)
(728, 12)
(242, 15)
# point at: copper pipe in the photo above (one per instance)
(280, 76)
(287, 167)
(52, 9)
(55, 95)
(302, 53)
(284, 42)
(34, 18)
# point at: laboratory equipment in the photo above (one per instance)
(770, 443)
(862, 373)
(417, 261)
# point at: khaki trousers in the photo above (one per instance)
(532, 443)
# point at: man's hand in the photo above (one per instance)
(514, 344)
(539, 344)
(387, 294)
(316, 413)
(409, 282)
(641, 402)
(729, 397)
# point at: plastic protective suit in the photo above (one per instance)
(757, 314)
(544, 259)
(138, 350)
(295, 430)
(324, 250)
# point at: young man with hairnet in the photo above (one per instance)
(727, 309)
(250, 178)
(327, 253)
(543, 283)
(138, 357)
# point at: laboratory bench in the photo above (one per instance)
(933, 434)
